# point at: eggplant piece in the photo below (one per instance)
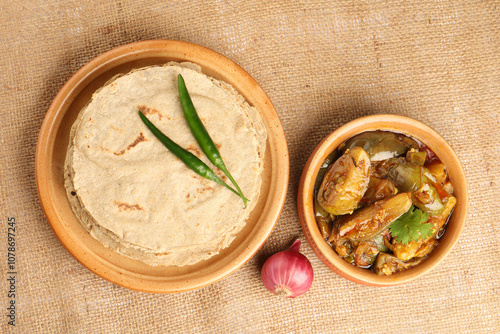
(387, 264)
(417, 179)
(361, 254)
(365, 253)
(406, 176)
(427, 199)
(381, 169)
(378, 189)
(344, 249)
(323, 219)
(372, 219)
(382, 145)
(345, 182)
(379, 240)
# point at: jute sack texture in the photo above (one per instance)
(322, 63)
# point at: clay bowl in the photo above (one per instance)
(394, 123)
(51, 152)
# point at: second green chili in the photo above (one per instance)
(201, 134)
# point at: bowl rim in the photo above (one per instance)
(384, 122)
(212, 62)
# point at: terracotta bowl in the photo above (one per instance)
(394, 123)
(51, 151)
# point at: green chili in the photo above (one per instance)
(188, 158)
(201, 134)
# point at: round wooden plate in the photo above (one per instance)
(51, 152)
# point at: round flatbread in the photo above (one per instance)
(135, 196)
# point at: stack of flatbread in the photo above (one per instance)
(135, 196)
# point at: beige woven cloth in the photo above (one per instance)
(322, 63)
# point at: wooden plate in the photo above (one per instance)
(51, 152)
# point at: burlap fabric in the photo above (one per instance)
(322, 63)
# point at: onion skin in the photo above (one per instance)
(288, 273)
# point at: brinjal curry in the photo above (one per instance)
(383, 200)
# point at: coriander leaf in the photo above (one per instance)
(411, 226)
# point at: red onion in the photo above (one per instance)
(288, 273)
